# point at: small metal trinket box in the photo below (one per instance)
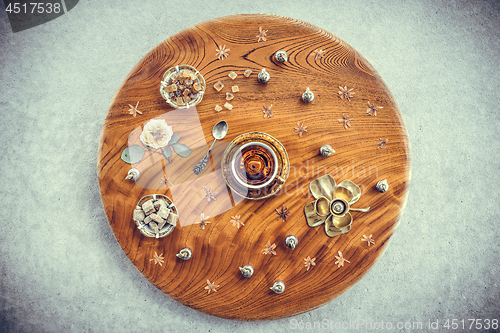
(382, 186)
(263, 76)
(326, 150)
(308, 96)
(281, 56)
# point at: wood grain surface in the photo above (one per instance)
(220, 248)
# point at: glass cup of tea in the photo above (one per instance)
(254, 165)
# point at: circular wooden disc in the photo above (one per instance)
(221, 247)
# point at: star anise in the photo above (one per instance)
(133, 110)
(345, 93)
(267, 111)
(209, 194)
(368, 239)
(269, 248)
(283, 213)
(158, 259)
(203, 221)
(382, 143)
(262, 35)
(340, 260)
(235, 220)
(372, 109)
(309, 262)
(166, 181)
(300, 128)
(211, 286)
(346, 121)
(222, 52)
(318, 54)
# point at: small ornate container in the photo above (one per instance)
(185, 254)
(247, 271)
(326, 150)
(133, 174)
(281, 56)
(278, 287)
(291, 241)
(308, 96)
(263, 76)
(383, 186)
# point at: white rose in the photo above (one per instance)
(156, 133)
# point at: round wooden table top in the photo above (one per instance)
(353, 112)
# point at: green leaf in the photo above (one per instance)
(133, 154)
(167, 152)
(174, 139)
(181, 149)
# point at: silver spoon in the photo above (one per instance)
(219, 132)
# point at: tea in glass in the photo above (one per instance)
(255, 165)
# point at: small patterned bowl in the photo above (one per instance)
(182, 86)
(167, 228)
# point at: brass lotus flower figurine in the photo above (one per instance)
(332, 205)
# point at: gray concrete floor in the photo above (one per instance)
(61, 269)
